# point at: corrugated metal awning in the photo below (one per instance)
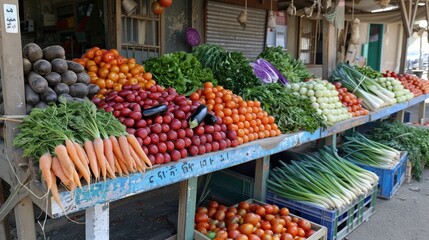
(223, 29)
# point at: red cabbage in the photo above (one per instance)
(270, 66)
(261, 73)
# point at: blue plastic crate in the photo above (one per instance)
(339, 222)
(390, 179)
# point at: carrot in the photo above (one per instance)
(117, 151)
(82, 155)
(45, 164)
(71, 149)
(118, 168)
(108, 152)
(66, 162)
(132, 140)
(123, 166)
(125, 148)
(109, 170)
(76, 178)
(58, 171)
(54, 191)
(99, 152)
(90, 152)
(141, 167)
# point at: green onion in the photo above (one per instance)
(323, 179)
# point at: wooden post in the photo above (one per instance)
(97, 222)
(329, 45)
(400, 116)
(331, 140)
(187, 202)
(4, 227)
(12, 78)
(422, 111)
(261, 175)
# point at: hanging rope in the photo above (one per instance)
(353, 9)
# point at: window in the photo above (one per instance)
(141, 33)
(310, 41)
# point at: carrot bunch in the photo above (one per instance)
(74, 140)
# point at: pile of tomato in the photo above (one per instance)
(245, 117)
(250, 221)
(110, 71)
(411, 82)
(348, 99)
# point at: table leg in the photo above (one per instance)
(400, 116)
(24, 215)
(261, 175)
(97, 222)
(187, 205)
(422, 111)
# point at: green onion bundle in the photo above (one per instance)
(360, 149)
(374, 96)
(323, 179)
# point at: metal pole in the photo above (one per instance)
(97, 222)
(261, 175)
(187, 202)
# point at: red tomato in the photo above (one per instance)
(247, 228)
(201, 217)
(108, 56)
(166, 3)
(293, 231)
(157, 8)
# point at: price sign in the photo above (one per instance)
(10, 18)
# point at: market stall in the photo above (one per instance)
(190, 119)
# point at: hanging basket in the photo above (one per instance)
(192, 37)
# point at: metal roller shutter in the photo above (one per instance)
(222, 28)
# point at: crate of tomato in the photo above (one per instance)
(253, 220)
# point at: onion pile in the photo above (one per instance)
(324, 99)
(395, 86)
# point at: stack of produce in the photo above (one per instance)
(293, 70)
(360, 149)
(324, 99)
(403, 137)
(49, 76)
(110, 71)
(250, 221)
(394, 85)
(323, 179)
(416, 85)
(232, 70)
(266, 72)
(181, 71)
(73, 139)
(167, 125)
(353, 103)
(245, 117)
(368, 71)
(291, 112)
(373, 95)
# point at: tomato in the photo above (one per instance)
(309, 233)
(276, 209)
(277, 228)
(233, 226)
(222, 234)
(232, 209)
(286, 236)
(266, 236)
(284, 211)
(266, 225)
(251, 218)
(243, 205)
(211, 212)
(202, 209)
(107, 57)
(202, 230)
(241, 237)
(201, 217)
(211, 235)
(213, 204)
(269, 208)
(295, 219)
(247, 228)
(205, 225)
(260, 211)
(233, 234)
(258, 232)
(229, 215)
(157, 8)
(292, 230)
(166, 3)
(269, 217)
(301, 232)
(220, 215)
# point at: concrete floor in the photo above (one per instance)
(153, 215)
